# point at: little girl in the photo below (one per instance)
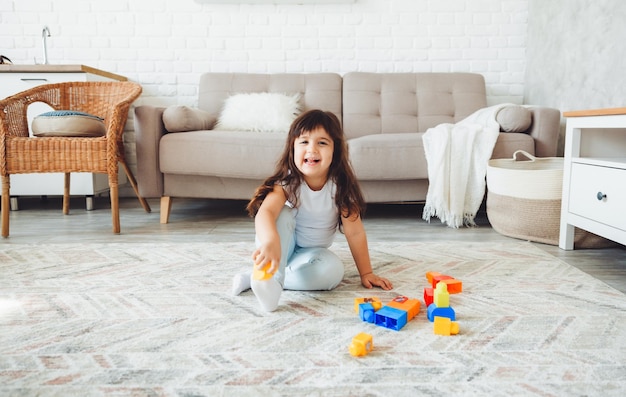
(298, 210)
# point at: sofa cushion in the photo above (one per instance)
(389, 103)
(318, 90)
(259, 111)
(184, 118)
(68, 123)
(227, 154)
(388, 156)
(514, 118)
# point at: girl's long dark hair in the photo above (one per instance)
(348, 198)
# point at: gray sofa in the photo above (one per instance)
(384, 116)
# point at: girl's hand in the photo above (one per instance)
(264, 255)
(371, 280)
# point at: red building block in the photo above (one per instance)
(441, 277)
(429, 296)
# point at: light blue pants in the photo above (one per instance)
(304, 269)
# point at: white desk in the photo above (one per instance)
(594, 175)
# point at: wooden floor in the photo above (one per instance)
(41, 221)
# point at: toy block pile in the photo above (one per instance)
(394, 315)
(400, 310)
(437, 300)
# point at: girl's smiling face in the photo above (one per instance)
(313, 155)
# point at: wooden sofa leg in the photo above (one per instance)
(166, 206)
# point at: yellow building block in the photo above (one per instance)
(262, 274)
(373, 300)
(444, 326)
(441, 295)
(361, 344)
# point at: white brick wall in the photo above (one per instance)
(166, 44)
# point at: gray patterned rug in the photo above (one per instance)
(158, 320)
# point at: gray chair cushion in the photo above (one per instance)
(68, 123)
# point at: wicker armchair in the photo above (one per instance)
(21, 154)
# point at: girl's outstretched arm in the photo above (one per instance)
(357, 241)
(268, 249)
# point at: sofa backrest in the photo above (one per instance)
(383, 103)
(317, 90)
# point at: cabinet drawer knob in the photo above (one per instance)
(601, 196)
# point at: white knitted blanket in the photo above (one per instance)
(457, 157)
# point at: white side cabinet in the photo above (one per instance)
(594, 175)
(17, 78)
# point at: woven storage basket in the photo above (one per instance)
(524, 200)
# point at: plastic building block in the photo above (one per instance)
(391, 318)
(429, 296)
(434, 311)
(445, 326)
(454, 286)
(438, 278)
(373, 300)
(367, 312)
(430, 275)
(262, 274)
(411, 306)
(361, 344)
(441, 295)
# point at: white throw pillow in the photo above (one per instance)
(262, 111)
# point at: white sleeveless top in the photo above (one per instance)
(316, 216)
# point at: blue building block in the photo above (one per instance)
(433, 311)
(367, 312)
(391, 318)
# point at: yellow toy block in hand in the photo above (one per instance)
(263, 273)
(444, 326)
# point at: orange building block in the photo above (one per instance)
(444, 326)
(373, 300)
(454, 286)
(441, 277)
(430, 275)
(410, 306)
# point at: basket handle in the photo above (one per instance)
(525, 153)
